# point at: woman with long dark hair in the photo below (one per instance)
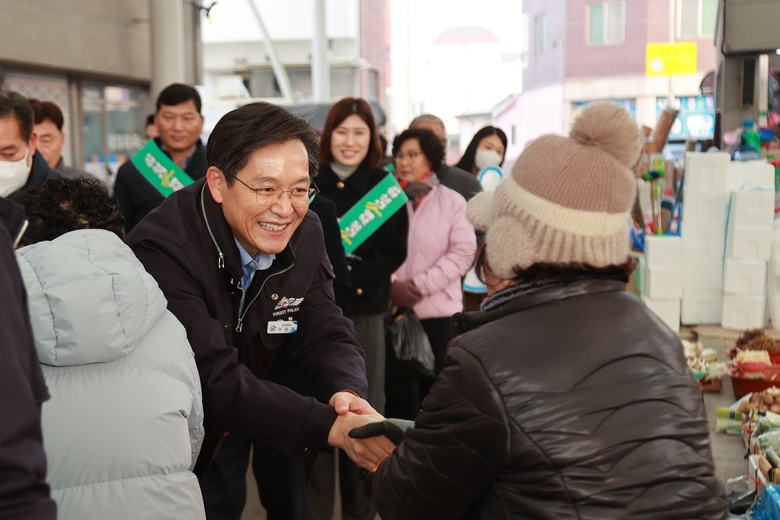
(487, 148)
(350, 150)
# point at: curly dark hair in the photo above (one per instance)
(567, 272)
(55, 206)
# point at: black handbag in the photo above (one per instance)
(409, 342)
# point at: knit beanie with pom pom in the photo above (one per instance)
(567, 199)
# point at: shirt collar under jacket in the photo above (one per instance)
(260, 262)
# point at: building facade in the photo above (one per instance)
(240, 44)
(581, 51)
(96, 60)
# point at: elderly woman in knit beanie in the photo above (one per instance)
(564, 396)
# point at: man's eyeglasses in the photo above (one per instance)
(268, 195)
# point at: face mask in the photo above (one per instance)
(13, 175)
(485, 158)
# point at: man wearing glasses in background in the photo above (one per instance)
(242, 262)
(179, 123)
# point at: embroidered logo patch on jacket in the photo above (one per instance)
(285, 302)
(287, 305)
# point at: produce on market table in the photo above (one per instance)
(754, 340)
(702, 362)
(756, 362)
(752, 360)
(769, 400)
(746, 341)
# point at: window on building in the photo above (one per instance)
(526, 38)
(628, 104)
(697, 18)
(606, 23)
(373, 84)
(540, 30)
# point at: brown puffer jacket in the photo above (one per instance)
(572, 402)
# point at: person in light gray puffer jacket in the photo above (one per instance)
(124, 424)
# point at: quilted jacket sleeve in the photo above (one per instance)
(459, 444)
(461, 245)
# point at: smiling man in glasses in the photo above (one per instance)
(242, 262)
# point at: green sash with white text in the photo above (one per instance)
(159, 169)
(369, 213)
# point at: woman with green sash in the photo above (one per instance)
(350, 150)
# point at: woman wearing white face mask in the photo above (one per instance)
(487, 148)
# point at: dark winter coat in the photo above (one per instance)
(24, 493)
(188, 247)
(382, 253)
(459, 180)
(571, 402)
(136, 195)
(39, 170)
(326, 211)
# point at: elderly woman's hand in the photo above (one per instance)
(393, 429)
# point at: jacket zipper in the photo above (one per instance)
(221, 259)
(221, 265)
(18, 238)
(240, 324)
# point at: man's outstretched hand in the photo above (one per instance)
(367, 453)
(344, 402)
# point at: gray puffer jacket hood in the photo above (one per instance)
(91, 301)
(124, 424)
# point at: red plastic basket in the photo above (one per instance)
(745, 385)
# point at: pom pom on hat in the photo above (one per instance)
(567, 198)
(605, 125)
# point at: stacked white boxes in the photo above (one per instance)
(748, 244)
(703, 233)
(663, 277)
(773, 278)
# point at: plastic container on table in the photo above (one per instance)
(747, 382)
(752, 366)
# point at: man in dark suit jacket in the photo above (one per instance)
(179, 123)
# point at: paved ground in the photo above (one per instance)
(728, 451)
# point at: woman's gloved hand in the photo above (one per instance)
(393, 429)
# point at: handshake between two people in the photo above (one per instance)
(364, 435)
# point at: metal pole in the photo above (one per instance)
(279, 71)
(76, 130)
(320, 69)
(670, 99)
(167, 24)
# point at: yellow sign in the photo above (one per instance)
(666, 59)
